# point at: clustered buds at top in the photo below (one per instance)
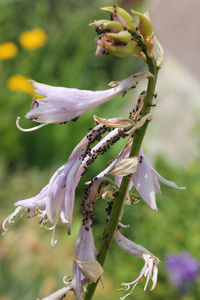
(118, 34)
(121, 37)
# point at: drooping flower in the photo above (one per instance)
(57, 197)
(145, 179)
(63, 104)
(33, 39)
(86, 268)
(8, 50)
(150, 270)
(146, 182)
(183, 270)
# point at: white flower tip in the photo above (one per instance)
(32, 82)
(113, 83)
(29, 129)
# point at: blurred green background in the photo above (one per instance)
(29, 267)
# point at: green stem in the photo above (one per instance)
(119, 200)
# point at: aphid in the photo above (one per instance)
(115, 8)
(140, 159)
(151, 105)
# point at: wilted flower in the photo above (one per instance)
(150, 265)
(183, 270)
(63, 104)
(8, 50)
(33, 39)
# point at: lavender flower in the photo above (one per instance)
(182, 269)
(86, 268)
(150, 265)
(57, 197)
(63, 104)
(145, 179)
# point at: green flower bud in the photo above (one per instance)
(104, 25)
(145, 26)
(120, 15)
(108, 43)
(123, 36)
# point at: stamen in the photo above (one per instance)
(9, 219)
(53, 228)
(122, 298)
(29, 129)
(64, 280)
(124, 226)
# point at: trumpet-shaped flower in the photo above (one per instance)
(145, 179)
(86, 268)
(63, 104)
(57, 197)
(146, 182)
(150, 270)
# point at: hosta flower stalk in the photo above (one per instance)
(119, 36)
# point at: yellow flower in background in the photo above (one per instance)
(8, 50)
(19, 83)
(33, 39)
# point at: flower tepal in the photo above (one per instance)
(150, 270)
(61, 104)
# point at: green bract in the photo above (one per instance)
(120, 15)
(145, 26)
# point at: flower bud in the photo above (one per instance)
(145, 26)
(108, 43)
(107, 25)
(120, 15)
(122, 36)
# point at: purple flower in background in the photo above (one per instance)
(182, 269)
